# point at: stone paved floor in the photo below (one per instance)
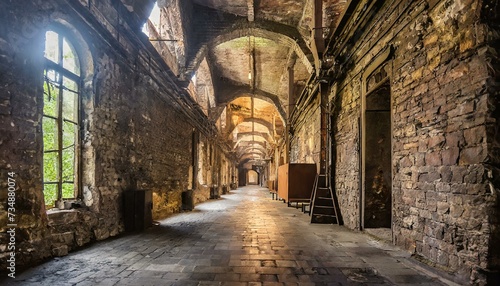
(245, 238)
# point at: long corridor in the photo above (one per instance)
(244, 238)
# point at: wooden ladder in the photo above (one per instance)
(323, 205)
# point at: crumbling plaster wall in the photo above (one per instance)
(135, 135)
(442, 201)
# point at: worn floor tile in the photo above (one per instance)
(244, 238)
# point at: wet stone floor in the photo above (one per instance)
(244, 238)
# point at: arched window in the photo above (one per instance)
(61, 119)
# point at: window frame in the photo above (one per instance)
(61, 73)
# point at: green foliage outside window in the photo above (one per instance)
(60, 121)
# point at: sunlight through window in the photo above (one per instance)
(154, 19)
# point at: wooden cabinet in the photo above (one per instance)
(137, 209)
(295, 181)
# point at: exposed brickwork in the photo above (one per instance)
(135, 136)
(346, 145)
(490, 15)
(304, 143)
(445, 216)
(442, 202)
(141, 130)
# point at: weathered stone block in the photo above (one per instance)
(443, 207)
(420, 159)
(450, 156)
(454, 139)
(61, 250)
(430, 177)
(63, 217)
(64, 238)
(101, 234)
(436, 140)
(474, 135)
(431, 200)
(433, 158)
(82, 238)
(458, 174)
(406, 161)
(478, 189)
(453, 261)
(472, 155)
(456, 211)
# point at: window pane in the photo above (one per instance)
(52, 46)
(70, 60)
(50, 194)
(68, 191)
(69, 134)
(49, 126)
(50, 167)
(70, 84)
(50, 94)
(68, 164)
(60, 109)
(52, 76)
(70, 105)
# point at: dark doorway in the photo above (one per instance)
(378, 158)
(242, 177)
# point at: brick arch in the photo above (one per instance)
(267, 124)
(280, 33)
(253, 152)
(266, 136)
(232, 91)
(249, 156)
(255, 134)
(244, 161)
(285, 39)
(261, 144)
(259, 148)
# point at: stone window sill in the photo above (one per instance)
(57, 211)
(58, 216)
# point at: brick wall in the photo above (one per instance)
(490, 15)
(305, 142)
(443, 203)
(136, 132)
(346, 147)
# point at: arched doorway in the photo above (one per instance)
(252, 177)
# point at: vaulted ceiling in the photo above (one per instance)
(243, 61)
